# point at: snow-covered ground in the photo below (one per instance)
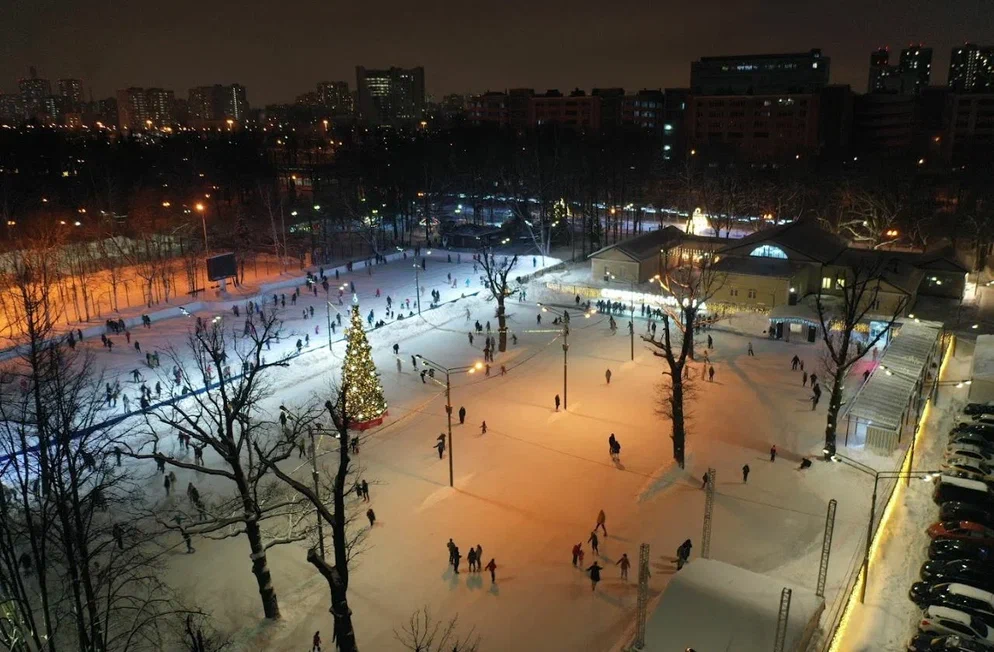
(532, 486)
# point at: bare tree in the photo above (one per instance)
(346, 537)
(496, 272)
(423, 633)
(224, 417)
(68, 580)
(839, 317)
(867, 216)
(689, 286)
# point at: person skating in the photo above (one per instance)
(745, 474)
(316, 641)
(750, 351)
(611, 441)
(607, 376)
(794, 363)
(625, 565)
(440, 445)
(595, 575)
(710, 342)
(455, 559)
(577, 551)
(601, 518)
(594, 543)
(710, 374)
(364, 488)
(451, 545)
(462, 415)
(483, 428)
(188, 541)
(471, 559)
(804, 379)
(557, 402)
(167, 483)
(683, 553)
(371, 515)
(492, 567)
(773, 453)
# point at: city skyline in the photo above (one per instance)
(522, 46)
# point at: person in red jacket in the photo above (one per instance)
(492, 566)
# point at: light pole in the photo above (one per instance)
(315, 477)
(203, 220)
(417, 281)
(565, 333)
(448, 398)
(877, 475)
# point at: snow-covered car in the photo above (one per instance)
(972, 573)
(975, 453)
(966, 468)
(983, 430)
(957, 511)
(967, 438)
(961, 549)
(946, 643)
(966, 598)
(961, 530)
(943, 620)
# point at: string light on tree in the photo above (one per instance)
(364, 398)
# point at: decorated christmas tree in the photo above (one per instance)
(363, 393)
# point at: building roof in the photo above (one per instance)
(895, 271)
(803, 238)
(758, 266)
(648, 245)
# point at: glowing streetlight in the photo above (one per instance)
(166, 204)
(203, 220)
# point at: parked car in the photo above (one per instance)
(972, 409)
(961, 549)
(977, 574)
(966, 468)
(975, 601)
(943, 620)
(946, 643)
(957, 511)
(961, 530)
(967, 438)
(968, 451)
(984, 430)
(949, 487)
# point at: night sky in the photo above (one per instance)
(281, 49)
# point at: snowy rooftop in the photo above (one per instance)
(711, 605)
(885, 397)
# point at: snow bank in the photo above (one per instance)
(711, 605)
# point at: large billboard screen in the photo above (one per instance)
(221, 266)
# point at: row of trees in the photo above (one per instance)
(83, 547)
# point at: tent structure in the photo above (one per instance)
(982, 374)
(711, 605)
(894, 396)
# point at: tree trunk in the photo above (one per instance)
(340, 612)
(501, 326)
(676, 407)
(260, 568)
(834, 407)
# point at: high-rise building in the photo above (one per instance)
(33, 93)
(612, 101)
(132, 109)
(757, 74)
(391, 96)
(160, 106)
(72, 91)
(218, 103)
(335, 96)
(971, 69)
(880, 70)
(11, 111)
(916, 65)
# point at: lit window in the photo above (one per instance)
(826, 283)
(769, 251)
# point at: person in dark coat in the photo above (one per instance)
(455, 559)
(595, 575)
(704, 481)
(371, 515)
(557, 402)
(773, 453)
(711, 374)
(577, 549)
(462, 415)
(471, 558)
(745, 474)
(364, 489)
(594, 543)
(492, 567)
(683, 553)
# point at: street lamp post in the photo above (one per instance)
(877, 475)
(203, 221)
(448, 399)
(417, 288)
(565, 334)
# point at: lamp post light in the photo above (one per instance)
(877, 475)
(203, 220)
(448, 398)
(565, 334)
